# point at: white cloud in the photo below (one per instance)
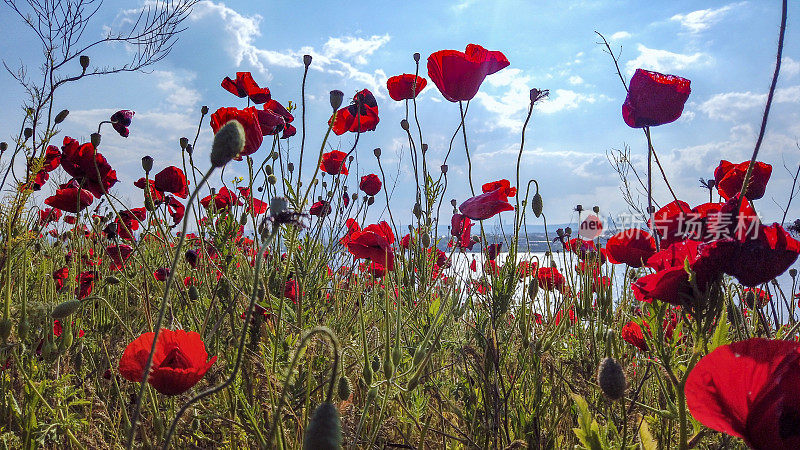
(575, 79)
(666, 61)
(564, 100)
(354, 47)
(179, 93)
(730, 105)
(790, 67)
(619, 35)
(703, 19)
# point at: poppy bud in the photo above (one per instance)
(243, 219)
(416, 56)
(350, 158)
(66, 338)
(355, 196)
(204, 110)
(453, 202)
(189, 149)
(388, 367)
(306, 60)
(568, 231)
(596, 209)
(370, 200)
(228, 143)
(5, 329)
(404, 124)
(372, 394)
(444, 169)
(61, 116)
(417, 210)
(425, 240)
(424, 148)
(536, 204)
(792, 273)
(274, 155)
(533, 289)
(278, 206)
(112, 280)
(337, 97)
(84, 60)
(377, 152)
(23, 329)
(367, 374)
(579, 208)
(611, 379)
(65, 309)
(194, 294)
(3, 146)
(27, 132)
(290, 167)
(268, 169)
(95, 138)
(147, 163)
(560, 232)
(329, 194)
(183, 142)
(413, 382)
(345, 388)
(376, 363)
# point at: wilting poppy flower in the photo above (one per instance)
(245, 86)
(70, 199)
(729, 178)
(459, 75)
(373, 242)
(248, 118)
(89, 168)
(751, 390)
(179, 362)
(320, 209)
(223, 199)
(121, 120)
(401, 87)
(288, 131)
(632, 247)
(654, 99)
(175, 209)
(161, 274)
(85, 284)
(172, 179)
(486, 205)
(359, 117)
(492, 251)
(118, 254)
(333, 163)
(632, 334)
(370, 184)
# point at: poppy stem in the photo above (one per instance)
(466, 147)
(303, 119)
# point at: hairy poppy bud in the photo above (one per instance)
(337, 97)
(194, 294)
(376, 363)
(274, 155)
(537, 205)
(345, 388)
(424, 148)
(3, 146)
(112, 280)
(425, 240)
(228, 143)
(66, 338)
(84, 60)
(65, 309)
(372, 394)
(5, 329)
(307, 60)
(596, 209)
(444, 168)
(377, 152)
(95, 138)
(147, 163)
(417, 210)
(61, 116)
(792, 273)
(413, 382)
(204, 110)
(533, 289)
(611, 379)
(367, 374)
(404, 124)
(388, 367)
(243, 219)
(370, 200)
(183, 142)
(268, 169)
(189, 149)
(27, 132)
(416, 56)
(290, 167)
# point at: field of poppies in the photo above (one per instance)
(274, 312)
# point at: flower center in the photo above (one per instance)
(176, 359)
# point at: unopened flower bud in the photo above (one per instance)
(27, 132)
(537, 205)
(324, 430)
(228, 143)
(417, 210)
(194, 294)
(84, 60)
(65, 309)
(112, 280)
(568, 231)
(3, 146)
(307, 60)
(345, 388)
(337, 97)
(579, 208)
(147, 163)
(189, 149)
(272, 179)
(453, 202)
(268, 169)
(61, 116)
(444, 168)
(370, 200)
(404, 124)
(204, 110)
(5, 329)
(183, 142)
(425, 240)
(95, 138)
(377, 152)
(424, 148)
(416, 56)
(611, 379)
(533, 289)
(290, 167)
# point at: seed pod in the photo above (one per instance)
(27, 132)
(611, 379)
(444, 168)
(419, 354)
(147, 163)
(189, 149)
(416, 56)
(337, 97)
(425, 240)
(596, 209)
(388, 367)
(404, 124)
(183, 142)
(272, 179)
(417, 210)
(95, 138)
(345, 388)
(536, 204)
(84, 60)
(3, 146)
(413, 382)
(370, 200)
(396, 354)
(290, 167)
(204, 110)
(306, 60)
(268, 169)
(65, 309)
(228, 143)
(5, 329)
(243, 219)
(194, 294)
(61, 116)
(377, 152)
(792, 273)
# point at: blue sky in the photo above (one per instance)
(725, 48)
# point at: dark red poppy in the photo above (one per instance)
(161, 274)
(245, 86)
(290, 290)
(370, 184)
(60, 277)
(84, 164)
(155, 195)
(486, 205)
(654, 99)
(751, 390)
(402, 87)
(248, 118)
(172, 179)
(492, 251)
(359, 117)
(85, 283)
(632, 247)
(729, 178)
(461, 227)
(70, 199)
(632, 334)
(48, 215)
(175, 209)
(333, 163)
(459, 75)
(179, 362)
(274, 118)
(191, 258)
(550, 278)
(288, 131)
(320, 209)
(52, 158)
(121, 120)
(373, 242)
(669, 285)
(756, 260)
(118, 254)
(224, 199)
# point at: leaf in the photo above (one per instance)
(646, 441)
(720, 336)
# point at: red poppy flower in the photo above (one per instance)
(58, 329)
(245, 86)
(632, 247)
(52, 158)
(756, 260)
(486, 205)
(85, 284)
(60, 277)
(175, 209)
(118, 254)
(729, 178)
(359, 117)
(503, 184)
(161, 274)
(675, 255)
(256, 206)
(48, 215)
(370, 184)
(751, 390)
(669, 285)
(288, 131)
(320, 209)
(373, 242)
(750, 294)
(401, 87)
(83, 163)
(459, 75)
(670, 221)
(333, 163)
(248, 117)
(172, 179)
(654, 99)
(274, 118)
(155, 195)
(550, 278)
(70, 199)
(223, 199)
(121, 120)
(179, 362)
(632, 334)
(461, 227)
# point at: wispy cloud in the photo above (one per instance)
(703, 19)
(620, 35)
(665, 60)
(730, 105)
(354, 47)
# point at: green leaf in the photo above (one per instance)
(720, 336)
(646, 441)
